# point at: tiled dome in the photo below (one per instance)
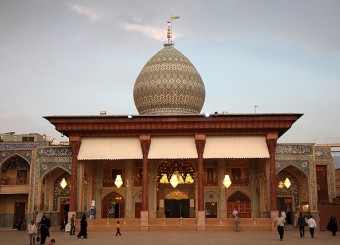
(169, 84)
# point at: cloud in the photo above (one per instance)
(89, 13)
(150, 31)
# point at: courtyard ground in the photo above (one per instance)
(12, 237)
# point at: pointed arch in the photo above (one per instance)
(113, 206)
(241, 202)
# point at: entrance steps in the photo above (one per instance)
(178, 224)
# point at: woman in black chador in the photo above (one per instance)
(44, 229)
(83, 227)
(332, 225)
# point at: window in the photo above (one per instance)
(138, 175)
(210, 172)
(27, 139)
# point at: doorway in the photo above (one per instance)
(64, 209)
(286, 204)
(138, 209)
(177, 208)
(19, 212)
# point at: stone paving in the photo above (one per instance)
(12, 237)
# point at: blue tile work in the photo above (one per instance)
(13, 146)
(48, 159)
(58, 191)
(323, 156)
(26, 154)
(292, 190)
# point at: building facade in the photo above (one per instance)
(170, 165)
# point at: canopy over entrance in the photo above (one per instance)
(236, 147)
(110, 148)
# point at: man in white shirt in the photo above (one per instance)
(283, 214)
(235, 212)
(312, 225)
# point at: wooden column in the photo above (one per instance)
(271, 144)
(200, 144)
(75, 146)
(145, 141)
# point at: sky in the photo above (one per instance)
(82, 57)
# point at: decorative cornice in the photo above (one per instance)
(216, 124)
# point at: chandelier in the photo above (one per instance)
(287, 183)
(227, 181)
(63, 183)
(176, 178)
(176, 172)
(118, 181)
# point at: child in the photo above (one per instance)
(32, 231)
(52, 242)
(118, 229)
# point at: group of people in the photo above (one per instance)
(45, 225)
(44, 231)
(302, 222)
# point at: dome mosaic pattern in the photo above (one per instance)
(169, 84)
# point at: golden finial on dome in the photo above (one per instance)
(169, 31)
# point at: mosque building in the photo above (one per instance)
(169, 167)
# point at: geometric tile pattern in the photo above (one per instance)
(169, 84)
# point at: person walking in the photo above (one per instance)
(237, 223)
(301, 223)
(118, 229)
(332, 225)
(83, 227)
(235, 212)
(312, 225)
(44, 229)
(32, 231)
(73, 226)
(280, 223)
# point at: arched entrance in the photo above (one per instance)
(176, 200)
(15, 172)
(113, 206)
(289, 198)
(177, 204)
(241, 203)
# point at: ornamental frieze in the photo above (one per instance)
(55, 152)
(294, 149)
(31, 145)
(323, 153)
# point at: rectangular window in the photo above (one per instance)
(27, 139)
(210, 175)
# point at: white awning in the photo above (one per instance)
(112, 148)
(236, 147)
(172, 148)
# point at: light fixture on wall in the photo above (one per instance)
(281, 184)
(63, 183)
(118, 181)
(227, 181)
(287, 183)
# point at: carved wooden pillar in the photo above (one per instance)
(271, 144)
(200, 144)
(75, 146)
(145, 141)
